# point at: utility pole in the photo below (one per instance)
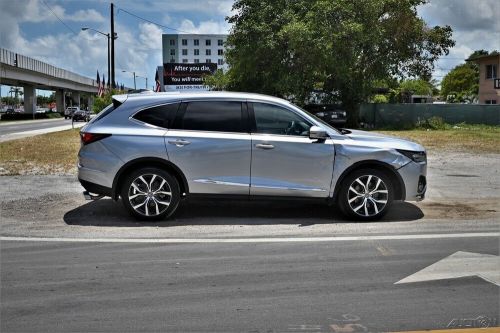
(112, 45)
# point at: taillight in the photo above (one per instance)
(92, 137)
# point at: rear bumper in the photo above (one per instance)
(96, 188)
(414, 176)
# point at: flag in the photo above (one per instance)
(103, 85)
(157, 80)
(98, 85)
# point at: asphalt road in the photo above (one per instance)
(251, 287)
(68, 265)
(23, 126)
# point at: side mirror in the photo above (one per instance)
(317, 133)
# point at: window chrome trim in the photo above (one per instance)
(219, 182)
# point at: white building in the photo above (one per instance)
(193, 49)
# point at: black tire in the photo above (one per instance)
(154, 202)
(365, 205)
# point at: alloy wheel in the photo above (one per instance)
(150, 194)
(367, 195)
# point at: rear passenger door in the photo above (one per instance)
(210, 143)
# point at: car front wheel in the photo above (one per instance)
(150, 194)
(366, 195)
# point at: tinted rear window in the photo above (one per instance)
(217, 116)
(161, 116)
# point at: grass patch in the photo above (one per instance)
(56, 153)
(52, 153)
(460, 138)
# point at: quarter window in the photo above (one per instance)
(272, 119)
(213, 116)
(161, 116)
(491, 71)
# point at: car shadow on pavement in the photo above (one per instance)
(107, 213)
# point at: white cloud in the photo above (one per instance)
(205, 27)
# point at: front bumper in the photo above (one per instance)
(414, 176)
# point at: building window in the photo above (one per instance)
(184, 42)
(184, 52)
(220, 42)
(172, 60)
(491, 71)
(196, 51)
(208, 52)
(184, 61)
(172, 51)
(491, 101)
(196, 61)
(208, 61)
(208, 42)
(220, 52)
(196, 42)
(220, 62)
(172, 42)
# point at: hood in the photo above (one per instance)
(373, 139)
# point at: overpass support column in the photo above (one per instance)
(29, 99)
(60, 101)
(75, 95)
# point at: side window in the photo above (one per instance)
(215, 116)
(272, 119)
(161, 116)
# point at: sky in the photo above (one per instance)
(50, 30)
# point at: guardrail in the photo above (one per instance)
(18, 60)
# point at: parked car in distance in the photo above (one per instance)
(333, 114)
(68, 113)
(10, 111)
(81, 115)
(153, 150)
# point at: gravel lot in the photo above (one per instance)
(463, 195)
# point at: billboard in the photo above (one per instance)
(177, 76)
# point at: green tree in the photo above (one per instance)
(416, 87)
(287, 47)
(461, 84)
(101, 102)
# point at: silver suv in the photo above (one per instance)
(153, 150)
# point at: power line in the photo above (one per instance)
(152, 22)
(67, 26)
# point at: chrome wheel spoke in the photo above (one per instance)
(151, 182)
(367, 195)
(137, 195)
(141, 204)
(379, 191)
(151, 202)
(137, 188)
(163, 202)
(374, 205)
(163, 192)
(145, 182)
(352, 189)
(361, 183)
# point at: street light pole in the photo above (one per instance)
(143, 77)
(108, 36)
(124, 71)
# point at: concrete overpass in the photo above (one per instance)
(32, 74)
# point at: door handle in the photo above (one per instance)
(264, 146)
(179, 143)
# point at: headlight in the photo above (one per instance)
(415, 156)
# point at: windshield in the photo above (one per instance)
(319, 120)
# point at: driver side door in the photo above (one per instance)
(285, 162)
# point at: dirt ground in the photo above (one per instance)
(463, 193)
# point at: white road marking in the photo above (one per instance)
(252, 240)
(460, 264)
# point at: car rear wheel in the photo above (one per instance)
(366, 194)
(150, 194)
